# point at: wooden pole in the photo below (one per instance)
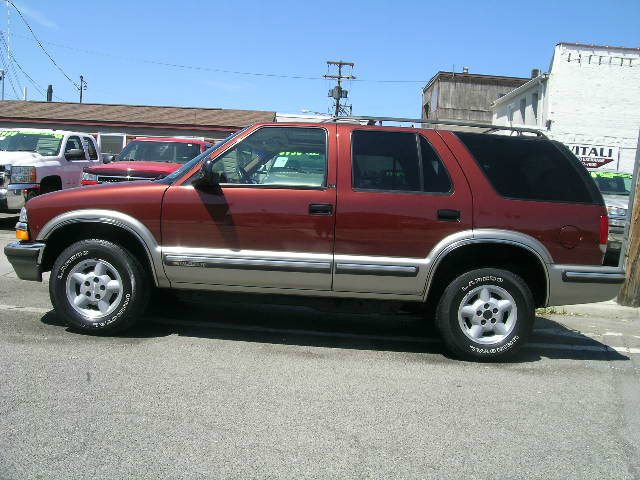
(630, 292)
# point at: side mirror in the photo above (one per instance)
(208, 178)
(74, 154)
(107, 158)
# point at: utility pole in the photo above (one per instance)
(337, 92)
(2, 78)
(83, 86)
(630, 292)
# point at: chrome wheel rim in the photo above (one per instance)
(487, 314)
(94, 288)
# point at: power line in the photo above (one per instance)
(216, 69)
(8, 77)
(35, 37)
(337, 92)
(13, 59)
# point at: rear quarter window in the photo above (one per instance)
(531, 168)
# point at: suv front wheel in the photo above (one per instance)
(486, 314)
(98, 287)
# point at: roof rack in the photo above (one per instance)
(435, 123)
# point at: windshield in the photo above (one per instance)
(192, 163)
(613, 183)
(159, 151)
(44, 143)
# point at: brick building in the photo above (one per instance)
(115, 125)
(589, 100)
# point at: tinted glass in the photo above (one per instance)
(613, 183)
(46, 144)
(284, 156)
(531, 168)
(91, 148)
(435, 176)
(152, 151)
(385, 161)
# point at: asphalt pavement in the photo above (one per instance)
(231, 389)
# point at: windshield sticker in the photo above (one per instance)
(5, 134)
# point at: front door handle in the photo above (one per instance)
(449, 215)
(320, 209)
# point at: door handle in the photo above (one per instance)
(449, 215)
(320, 209)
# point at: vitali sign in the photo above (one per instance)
(595, 156)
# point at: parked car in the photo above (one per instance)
(615, 188)
(483, 227)
(146, 159)
(37, 161)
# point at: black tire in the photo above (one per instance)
(130, 301)
(449, 321)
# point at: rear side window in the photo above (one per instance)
(397, 161)
(531, 168)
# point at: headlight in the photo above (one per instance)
(23, 218)
(617, 211)
(23, 175)
(90, 177)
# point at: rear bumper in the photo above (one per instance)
(571, 284)
(25, 258)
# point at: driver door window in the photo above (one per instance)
(73, 143)
(277, 156)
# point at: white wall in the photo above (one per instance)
(594, 98)
(591, 98)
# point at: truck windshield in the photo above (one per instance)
(159, 151)
(192, 163)
(613, 183)
(44, 143)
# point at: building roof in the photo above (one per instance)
(590, 45)
(442, 75)
(522, 88)
(131, 115)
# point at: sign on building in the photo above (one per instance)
(596, 156)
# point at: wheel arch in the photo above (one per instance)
(50, 180)
(65, 229)
(524, 258)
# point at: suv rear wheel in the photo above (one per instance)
(486, 314)
(98, 287)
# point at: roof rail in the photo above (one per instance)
(435, 123)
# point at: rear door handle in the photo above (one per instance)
(449, 215)
(320, 209)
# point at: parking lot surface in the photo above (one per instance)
(233, 389)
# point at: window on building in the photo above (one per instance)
(523, 109)
(534, 105)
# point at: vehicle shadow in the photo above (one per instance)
(8, 222)
(310, 327)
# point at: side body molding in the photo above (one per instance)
(491, 236)
(119, 219)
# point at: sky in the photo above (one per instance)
(184, 53)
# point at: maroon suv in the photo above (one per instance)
(146, 159)
(483, 227)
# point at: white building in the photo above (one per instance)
(589, 100)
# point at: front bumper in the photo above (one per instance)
(25, 258)
(571, 284)
(16, 195)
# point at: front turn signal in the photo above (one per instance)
(22, 235)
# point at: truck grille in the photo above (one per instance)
(115, 179)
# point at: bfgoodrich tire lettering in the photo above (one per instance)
(98, 287)
(485, 314)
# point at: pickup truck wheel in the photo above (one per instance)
(485, 314)
(98, 287)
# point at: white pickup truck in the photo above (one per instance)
(36, 161)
